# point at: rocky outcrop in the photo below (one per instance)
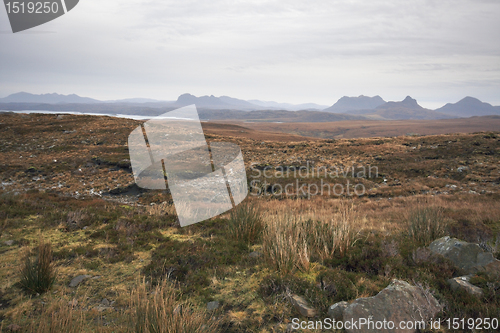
(469, 257)
(399, 302)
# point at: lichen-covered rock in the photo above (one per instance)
(399, 302)
(336, 311)
(463, 282)
(469, 257)
(300, 304)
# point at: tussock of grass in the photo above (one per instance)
(159, 311)
(285, 244)
(426, 224)
(38, 273)
(245, 223)
(57, 318)
(290, 242)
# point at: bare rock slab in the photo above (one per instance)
(399, 302)
(300, 304)
(469, 257)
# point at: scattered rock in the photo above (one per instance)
(463, 283)
(14, 328)
(254, 254)
(211, 306)
(73, 303)
(300, 304)
(9, 242)
(79, 279)
(105, 302)
(60, 116)
(336, 311)
(469, 257)
(399, 302)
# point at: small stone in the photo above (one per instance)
(105, 302)
(301, 306)
(254, 254)
(73, 303)
(79, 279)
(9, 242)
(211, 306)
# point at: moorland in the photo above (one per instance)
(68, 199)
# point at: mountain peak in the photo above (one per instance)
(469, 107)
(410, 102)
(361, 102)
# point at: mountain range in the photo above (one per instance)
(225, 107)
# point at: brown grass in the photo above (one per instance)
(159, 311)
(291, 240)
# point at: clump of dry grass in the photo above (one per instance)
(285, 244)
(337, 235)
(160, 312)
(425, 224)
(245, 223)
(38, 272)
(291, 242)
(58, 317)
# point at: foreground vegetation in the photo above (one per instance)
(147, 274)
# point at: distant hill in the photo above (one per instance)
(212, 102)
(346, 104)
(407, 109)
(469, 107)
(24, 97)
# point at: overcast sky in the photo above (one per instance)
(286, 51)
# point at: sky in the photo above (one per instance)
(436, 51)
